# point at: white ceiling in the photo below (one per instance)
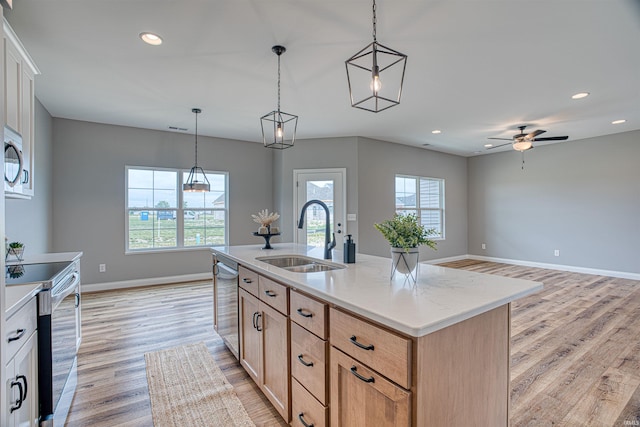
(476, 68)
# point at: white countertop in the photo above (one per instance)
(46, 258)
(18, 295)
(440, 298)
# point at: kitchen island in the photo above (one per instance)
(434, 353)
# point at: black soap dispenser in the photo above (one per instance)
(349, 250)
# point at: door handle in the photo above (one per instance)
(258, 319)
(18, 403)
(254, 320)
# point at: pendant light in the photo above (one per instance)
(193, 184)
(278, 126)
(369, 89)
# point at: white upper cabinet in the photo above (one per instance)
(19, 111)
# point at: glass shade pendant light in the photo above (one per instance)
(369, 88)
(279, 128)
(193, 183)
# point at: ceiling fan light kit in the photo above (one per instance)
(277, 124)
(375, 75)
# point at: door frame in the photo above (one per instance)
(296, 173)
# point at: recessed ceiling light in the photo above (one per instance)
(436, 131)
(150, 38)
(580, 95)
(488, 145)
(617, 122)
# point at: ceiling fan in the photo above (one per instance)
(522, 141)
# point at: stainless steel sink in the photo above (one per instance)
(300, 263)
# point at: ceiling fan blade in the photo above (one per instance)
(503, 139)
(535, 133)
(552, 138)
(496, 146)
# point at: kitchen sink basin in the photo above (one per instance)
(300, 263)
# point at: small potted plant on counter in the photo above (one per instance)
(16, 249)
(405, 234)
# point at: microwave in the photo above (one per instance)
(14, 172)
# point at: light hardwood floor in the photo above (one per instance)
(575, 350)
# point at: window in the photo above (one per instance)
(423, 197)
(159, 215)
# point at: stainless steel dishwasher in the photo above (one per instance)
(225, 301)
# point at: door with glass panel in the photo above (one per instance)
(328, 186)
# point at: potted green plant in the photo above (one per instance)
(16, 249)
(405, 234)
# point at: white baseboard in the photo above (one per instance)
(448, 259)
(136, 283)
(574, 269)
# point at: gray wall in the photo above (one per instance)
(581, 197)
(379, 163)
(29, 221)
(314, 154)
(89, 162)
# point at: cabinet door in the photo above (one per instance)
(360, 397)
(12, 86)
(27, 122)
(250, 343)
(275, 359)
(23, 369)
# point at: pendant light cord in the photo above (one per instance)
(375, 21)
(196, 162)
(278, 83)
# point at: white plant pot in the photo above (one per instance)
(404, 261)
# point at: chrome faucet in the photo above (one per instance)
(329, 244)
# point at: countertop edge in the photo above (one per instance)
(18, 295)
(416, 332)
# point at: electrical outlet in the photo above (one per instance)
(556, 252)
(484, 246)
(103, 268)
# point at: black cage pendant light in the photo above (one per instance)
(193, 183)
(279, 128)
(369, 88)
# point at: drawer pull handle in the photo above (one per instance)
(301, 418)
(19, 334)
(304, 314)
(307, 364)
(360, 377)
(270, 294)
(354, 340)
(247, 280)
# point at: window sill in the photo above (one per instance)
(168, 250)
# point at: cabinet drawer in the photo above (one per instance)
(248, 280)
(305, 408)
(274, 294)
(309, 313)
(20, 326)
(309, 361)
(381, 350)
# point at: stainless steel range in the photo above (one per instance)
(59, 333)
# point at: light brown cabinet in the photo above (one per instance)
(264, 340)
(309, 361)
(360, 397)
(322, 365)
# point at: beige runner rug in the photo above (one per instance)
(187, 388)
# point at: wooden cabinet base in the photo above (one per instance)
(362, 398)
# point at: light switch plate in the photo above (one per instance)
(351, 217)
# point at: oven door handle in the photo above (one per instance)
(68, 290)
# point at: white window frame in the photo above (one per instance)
(179, 211)
(418, 207)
